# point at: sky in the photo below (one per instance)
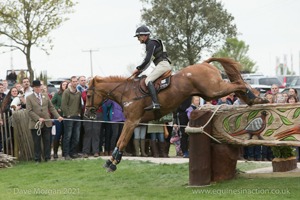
(271, 28)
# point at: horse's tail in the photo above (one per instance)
(230, 66)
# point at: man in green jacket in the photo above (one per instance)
(71, 107)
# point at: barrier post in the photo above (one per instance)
(200, 150)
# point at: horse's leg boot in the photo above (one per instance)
(155, 104)
(136, 143)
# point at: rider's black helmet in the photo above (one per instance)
(142, 30)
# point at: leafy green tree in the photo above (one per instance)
(188, 27)
(237, 50)
(27, 23)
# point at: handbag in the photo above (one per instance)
(174, 138)
(53, 130)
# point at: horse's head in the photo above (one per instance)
(93, 100)
(101, 89)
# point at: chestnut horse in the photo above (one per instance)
(200, 79)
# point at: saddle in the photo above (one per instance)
(161, 83)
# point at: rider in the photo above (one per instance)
(156, 49)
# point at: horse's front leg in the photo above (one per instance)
(127, 131)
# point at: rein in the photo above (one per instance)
(110, 92)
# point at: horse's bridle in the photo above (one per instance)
(93, 89)
(106, 95)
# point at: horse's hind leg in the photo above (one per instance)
(223, 88)
(241, 90)
(117, 154)
(247, 94)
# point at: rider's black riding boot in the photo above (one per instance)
(155, 105)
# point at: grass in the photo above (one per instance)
(246, 166)
(86, 179)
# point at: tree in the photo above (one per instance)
(188, 27)
(237, 50)
(27, 23)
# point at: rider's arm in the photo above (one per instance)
(150, 48)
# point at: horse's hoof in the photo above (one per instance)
(112, 168)
(107, 164)
(265, 101)
(260, 101)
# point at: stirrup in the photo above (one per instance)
(154, 106)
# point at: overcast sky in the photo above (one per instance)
(269, 27)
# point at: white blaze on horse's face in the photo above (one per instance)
(188, 74)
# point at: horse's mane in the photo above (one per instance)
(110, 79)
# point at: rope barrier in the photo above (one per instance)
(201, 128)
(109, 122)
(38, 126)
(146, 124)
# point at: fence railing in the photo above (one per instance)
(6, 134)
(16, 139)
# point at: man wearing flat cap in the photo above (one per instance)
(39, 105)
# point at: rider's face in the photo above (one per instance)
(142, 38)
